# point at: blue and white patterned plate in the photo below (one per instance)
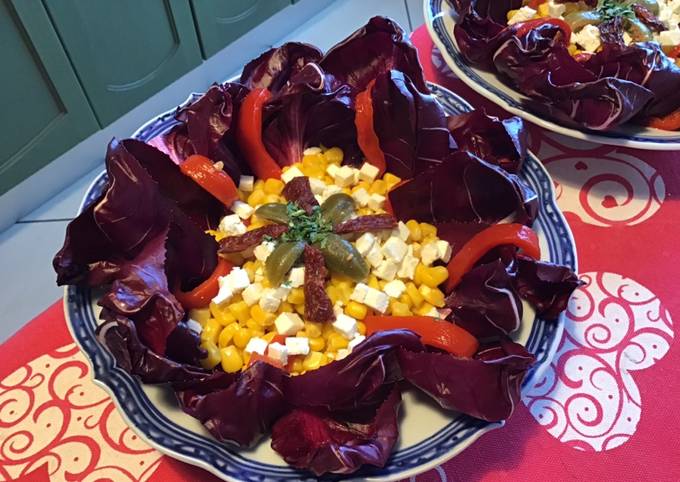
(440, 25)
(429, 435)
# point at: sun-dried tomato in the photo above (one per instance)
(300, 192)
(374, 222)
(236, 244)
(318, 306)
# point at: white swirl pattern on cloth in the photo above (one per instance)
(50, 411)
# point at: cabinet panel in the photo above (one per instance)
(127, 50)
(43, 111)
(220, 23)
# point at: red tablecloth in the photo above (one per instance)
(606, 410)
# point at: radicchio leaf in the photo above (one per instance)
(323, 442)
(485, 387)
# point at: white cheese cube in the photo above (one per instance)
(256, 345)
(224, 295)
(317, 185)
(252, 293)
(355, 341)
(365, 243)
(402, 232)
(342, 353)
(282, 292)
(310, 151)
(670, 38)
(359, 293)
(263, 250)
(377, 300)
(330, 190)
(296, 278)
(238, 279)
(394, 249)
(368, 172)
(337, 309)
(332, 169)
(434, 313)
(246, 183)
(429, 253)
(344, 176)
(376, 201)
(232, 225)
(259, 275)
(588, 38)
(522, 15)
(556, 9)
(269, 302)
(361, 196)
(291, 173)
(194, 326)
(375, 257)
(408, 265)
(288, 324)
(243, 210)
(278, 352)
(387, 270)
(297, 345)
(346, 325)
(395, 288)
(444, 250)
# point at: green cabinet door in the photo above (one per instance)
(43, 111)
(125, 50)
(221, 22)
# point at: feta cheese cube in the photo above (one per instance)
(588, 38)
(256, 345)
(243, 210)
(402, 232)
(376, 201)
(377, 300)
(395, 288)
(522, 15)
(346, 325)
(288, 324)
(429, 253)
(278, 352)
(365, 243)
(408, 265)
(387, 270)
(296, 277)
(359, 293)
(670, 38)
(194, 326)
(259, 275)
(394, 249)
(282, 291)
(355, 341)
(342, 353)
(444, 250)
(263, 250)
(556, 9)
(297, 345)
(232, 225)
(330, 190)
(332, 169)
(344, 176)
(434, 313)
(337, 309)
(361, 196)
(246, 183)
(310, 151)
(317, 185)
(368, 172)
(374, 256)
(252, 293)
(269, 302)
(238, 279)
(291, 173)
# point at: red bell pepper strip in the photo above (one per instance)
(523, 28)
(535, 3)
(249, 135)
(217, 182)
(366, 136)
(433, 332)
(675, 52)
(481, 243)
(200, 296)
(669, 122)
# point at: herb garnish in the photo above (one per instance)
(311, 228)
(611, 9)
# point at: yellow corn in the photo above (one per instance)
(414, 294)
(269, 337)
(259, 185)
(511, 13)
(373, 282)
(240, 310)
(417, 247)
(334, 155)
(201, 316)
(317, 344)
(231, 359)
(399, 309)
(543, 10)
(242, 337)
(258, 314)
(391, 180)
(226, 335)
(313, 361)
(424, 310)
(434, 275)
(211, 331)
(378, 187)
(334, 293)
(313, 329)
(418, 278)
(252, 324)
(250, 267)
(356, 310)
(414, 229)
(296, 296)
(433, 296)
(428, 230)
(296, 366)
(346, 288)
(361, 327)
(213, 357)
(257, 333)
(256, 198)
(336, 341)
(406, 299)
(273, 186)
(365, 211)
(272, 198)
(300, 309)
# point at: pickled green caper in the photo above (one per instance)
(337, 208)
(638, 31)
(579, 19)
(343, 258)
(282, 259)
(276, 212)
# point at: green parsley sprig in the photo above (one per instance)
(311, 228)
(611, 9)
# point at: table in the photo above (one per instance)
(607, 408)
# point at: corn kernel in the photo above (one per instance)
(365, 211)
(317, 344)
(361, 327)
(373, 282)
(256, 198)
(211, 331)
(231, 359)
(336, 341)
(417, 248)
(313, 160)
(257, 313)
(300, 309)
(420, 270)
(313, 360)
(334, 293)
(327, 330)
(242, 337)
(391, 180)
(334, 155)
(434, 296)
(428, 229)
(378, 187)
(259, 184)
(296, 365)
(257, 333)
(213, 357)
(252, 324)
(406, 299)
(425, 309)
(272, 198)
(286, 307)
(399, 309)
(201, 316)
(269, 337)
(246, 358)
(356, 310)
(240, 310)
(250, 267)
(313, 329)
(543, 10)
(414, 294)
(226, 335)
(296, 296)
(346, 288)
(273, 186)
(414, 229)
(511, 13)
(434, 276)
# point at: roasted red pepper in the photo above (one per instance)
(518, 235)
(200, 296)
(249, 135)
(523, 28)
(433, 332)
(669, 122)
(366, 136)
(215, 181)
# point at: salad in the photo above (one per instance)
(595, 64)
(306, 243)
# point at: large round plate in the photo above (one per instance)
(429, 435)
(440, 24)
